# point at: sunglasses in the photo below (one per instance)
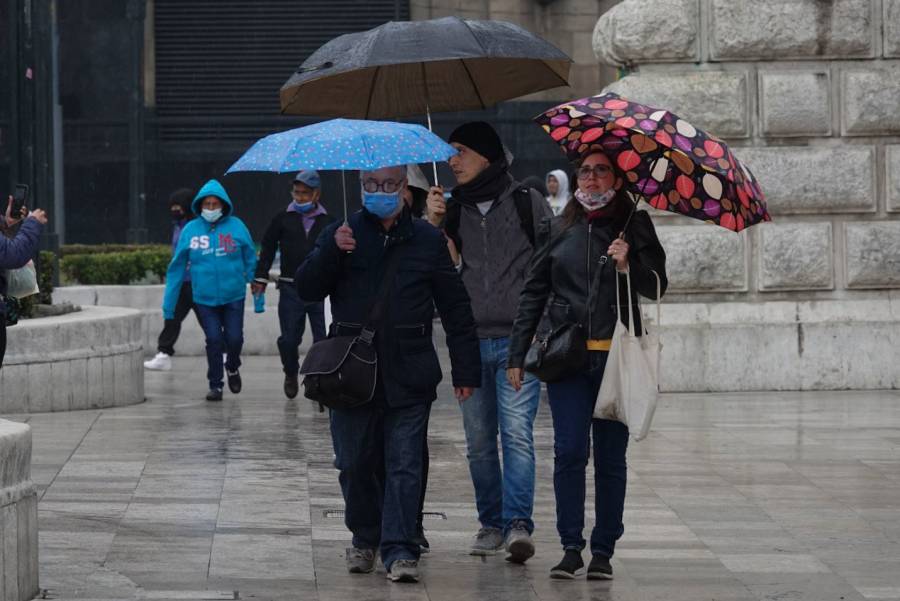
(600, 171)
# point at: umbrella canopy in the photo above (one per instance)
(410, 68)
(344, 144)
(665, 159)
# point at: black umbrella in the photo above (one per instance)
(409, 68)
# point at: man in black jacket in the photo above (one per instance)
(378, 447)
(294, 232)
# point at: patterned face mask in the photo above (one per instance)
(592, 202)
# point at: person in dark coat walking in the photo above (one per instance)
(15, 252)
(579, 256)
(180, 211)
(294, 232)
(378, 447)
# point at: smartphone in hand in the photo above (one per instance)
(20, 199)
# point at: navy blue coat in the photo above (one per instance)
(16, 252)
(408, 364)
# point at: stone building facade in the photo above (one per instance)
(807, 93)
(569, 24)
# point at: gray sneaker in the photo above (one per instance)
(519, 545)
(404, 570)
(487, 542)
(360, 561)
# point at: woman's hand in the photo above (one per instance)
(618, 250)
(11, 219)
(514, 377)
(435, 206)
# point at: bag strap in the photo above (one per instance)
(367, 334)
(630, 315)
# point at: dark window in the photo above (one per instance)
(221, 63)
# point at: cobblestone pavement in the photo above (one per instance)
(784, 496)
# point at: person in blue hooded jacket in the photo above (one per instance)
(222, 257)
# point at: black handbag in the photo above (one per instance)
(341, 372)
(13, 310)
(558, 350)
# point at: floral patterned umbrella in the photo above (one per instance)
(672, 164)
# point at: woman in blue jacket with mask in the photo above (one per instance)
(223, 258)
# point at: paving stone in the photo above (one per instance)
(724, 487)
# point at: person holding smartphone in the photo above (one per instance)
(16, 250)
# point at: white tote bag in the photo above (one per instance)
(22, 282)
(630, 385)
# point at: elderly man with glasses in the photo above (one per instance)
(378, 446)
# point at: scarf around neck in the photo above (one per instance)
(487, 185)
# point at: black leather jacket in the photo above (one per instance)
(567, 259)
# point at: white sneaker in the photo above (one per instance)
(161, 362)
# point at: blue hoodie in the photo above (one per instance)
(221, 254)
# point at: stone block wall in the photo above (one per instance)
(18, 515)
(807, 92)
(568, 24)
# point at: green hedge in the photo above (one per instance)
(101, 249)
(92, 268)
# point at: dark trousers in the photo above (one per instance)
(2, 338)
(572, 406)
(426, 463)
(292, 313)
(378, 451)
(223, 326)
(172, 327)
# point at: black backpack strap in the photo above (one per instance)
(451, 223)
(367, 334)
(525, 209)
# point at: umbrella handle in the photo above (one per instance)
(428, 115)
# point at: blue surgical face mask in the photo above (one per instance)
(211, 215)
(381, 204)
(303, 207)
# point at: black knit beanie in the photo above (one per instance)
(480, 137)
(183, 198)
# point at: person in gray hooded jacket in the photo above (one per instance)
(492, 221)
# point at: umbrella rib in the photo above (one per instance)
(372, 92)
(474, 84)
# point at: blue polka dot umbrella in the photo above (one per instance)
(344, 144)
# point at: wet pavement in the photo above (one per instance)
(787, 496)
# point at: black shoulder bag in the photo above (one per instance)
(341, 372)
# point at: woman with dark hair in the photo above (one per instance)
(578, 258)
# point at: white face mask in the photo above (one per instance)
(597, 200)
(211, 215)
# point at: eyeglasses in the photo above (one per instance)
(600, 171)
(388, 186)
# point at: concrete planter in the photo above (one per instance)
(82, 360)
(18, 515)
(261, 330)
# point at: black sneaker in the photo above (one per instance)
(570, 566)
(599, 569)
(214, 394)
(234, 381)
(291, 388)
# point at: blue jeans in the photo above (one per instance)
(378, 451)
(507, 495)
(292, 312)
(223, 326)
(572, 406)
